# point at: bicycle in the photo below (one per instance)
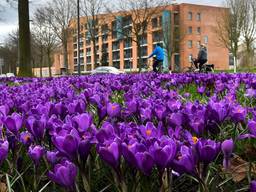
(193, 69)
(150, 65)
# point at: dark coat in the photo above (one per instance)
(202, 55)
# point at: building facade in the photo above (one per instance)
(180, 28)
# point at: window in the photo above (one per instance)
(115, 45)
(127, 53)
(190, 43)
(116, 55)
(88, 51)
(127, 43)
(88, 42)
(104, 29)
(198, 44)
(114, 32)
(97, 48)
(190, 30)
(81, 60)
(157, 36)
(176, 19)
(128, 64)
(127, 21)
(81, 52)
(190, 57)
(160, 21)
(104, 37)
(198, 30)
(127, 31)
(81, 44)
(75, 46)
(154, 22)
(144, 51)
(205, 39)
(75, 54)
(88, 59)
(190, 16)
(198, 16)
(116, 64)
(105, 47)
(143, 39)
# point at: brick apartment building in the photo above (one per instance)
(190, 25)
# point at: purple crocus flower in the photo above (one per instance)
(64, 174)
(36, 153)
(201, 90)
(4, 147)
(145, 162)
(160, 111)
(113, 109)
(238, 113)
(67, 143)
(26, 138)
(185, 161)
(52, 156)
(252, 127)
(109, 152)
(227, 147)
(13, 123)
(132, 106)
(146, 113)
(37, 126)
(207, 150)
(84, 148)
(253, 186)
(83, 121)
(149, 131)
(129, 151)
(163, 152)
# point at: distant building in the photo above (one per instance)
(190, 26)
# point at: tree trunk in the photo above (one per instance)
(94, 64)
(139, 55)
(41, 62)
(49, 62)
(65, 49)
(25, 69)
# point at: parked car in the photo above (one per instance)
(2, 76)
(10, 75)
(106, 70)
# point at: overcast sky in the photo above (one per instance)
(9, 18)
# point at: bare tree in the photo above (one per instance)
(140, 12)
(9, 52)
(92, 9)
(45, 38)
(58, 14)
(229, 26)
(249, 29)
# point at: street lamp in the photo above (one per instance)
(78, 39)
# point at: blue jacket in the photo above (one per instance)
(158, 52)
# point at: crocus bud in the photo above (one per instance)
(36, 153)
(227, 148)
(4, 147)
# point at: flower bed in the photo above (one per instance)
(143, 132)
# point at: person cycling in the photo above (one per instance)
(201, 58)
(158, 59)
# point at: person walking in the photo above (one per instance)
(158, 59)
(202, 57)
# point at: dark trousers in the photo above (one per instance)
(157, 65)
(201, 62)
